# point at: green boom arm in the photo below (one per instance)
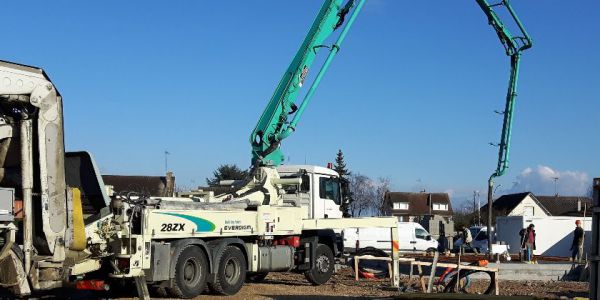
(513, 45)
(274, 126)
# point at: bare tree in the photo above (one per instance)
(382, 187)
(361, 188)
(368, 195)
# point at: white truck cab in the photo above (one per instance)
(320, 193)
(411, 237)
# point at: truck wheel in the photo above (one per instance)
(190, 273)
(324, 264)
(256, 277)
(159, 291)
(231, 273)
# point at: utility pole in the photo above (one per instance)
(477, 206)
(166, 161)
(474, 207)
(555, 186)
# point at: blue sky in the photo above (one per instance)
(410, 96)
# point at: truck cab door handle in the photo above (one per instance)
(413, 242)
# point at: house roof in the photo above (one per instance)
(565, 205)
(419, 203)
(506, 203)
(149, 185)
(553, 205)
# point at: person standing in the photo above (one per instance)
(577, 245)
(529, 242)
(522, 253)
(467, 239)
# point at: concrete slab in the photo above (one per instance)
(522, 271)
(536, 272)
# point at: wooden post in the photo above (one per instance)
(356, 268)
(421, 279)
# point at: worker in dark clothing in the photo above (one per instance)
(529, 243)
(522, 253)
(577, 245)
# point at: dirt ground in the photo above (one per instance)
(343, 286)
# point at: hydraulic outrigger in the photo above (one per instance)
(513, 45)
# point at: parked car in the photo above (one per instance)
(480, 239)
(411, 237)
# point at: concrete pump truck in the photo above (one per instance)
(58, 227)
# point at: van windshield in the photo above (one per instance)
(421, 233)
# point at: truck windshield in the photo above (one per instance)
(329, 188)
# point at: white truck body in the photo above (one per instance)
(411, 237)
(554, 235)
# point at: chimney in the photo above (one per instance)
(170, 188)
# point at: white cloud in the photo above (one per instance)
(540, 181)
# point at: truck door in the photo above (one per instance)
(421, 242)
(405, 234)
(328, 197)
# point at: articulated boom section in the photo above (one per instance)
(28, 99)
(273, 126)
(513, 45)
(33, 177)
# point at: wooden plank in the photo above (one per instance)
(496, 285)
(455, 266)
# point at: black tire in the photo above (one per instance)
(256, 277)
(190, 273)
(160, 292)
(324, 266)
(430, 250)
(231, 273)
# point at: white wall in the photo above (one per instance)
(554, 235)
(519, 210)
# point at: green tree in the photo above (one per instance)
(226, 172)
(340, 168)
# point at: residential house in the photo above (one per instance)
(528, 204)
(432, 210)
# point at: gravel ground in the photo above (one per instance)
(343, 286)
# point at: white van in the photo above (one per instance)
(411, 237)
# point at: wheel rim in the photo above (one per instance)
(232, 271)
(323, 264)
(191, 271)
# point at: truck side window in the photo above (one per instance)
(420, 233)
(293, 189)
(329, 188)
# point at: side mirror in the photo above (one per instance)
(428, 238)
